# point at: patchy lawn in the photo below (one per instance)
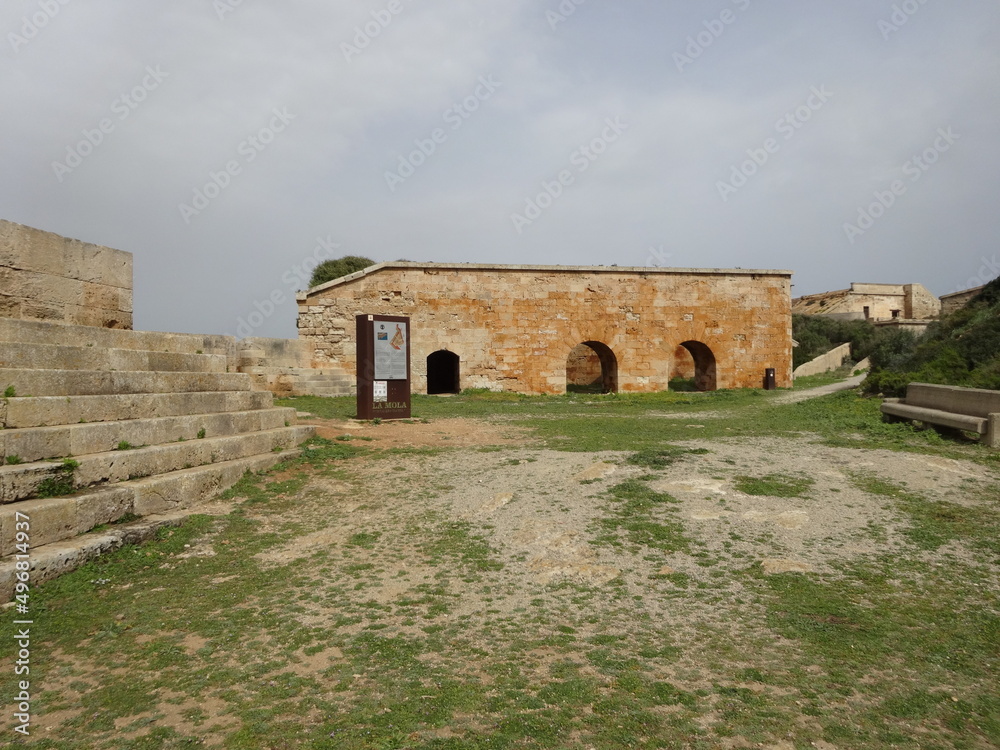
(588, 572)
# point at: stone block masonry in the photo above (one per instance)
(514, 327)
(44, 276)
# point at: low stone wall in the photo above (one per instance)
(44, 276)
(824, 362)
(274, 352)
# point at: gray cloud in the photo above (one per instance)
(357, 115)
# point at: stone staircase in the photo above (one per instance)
(100, 425)
(291, 375)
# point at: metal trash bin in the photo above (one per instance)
(769, 384)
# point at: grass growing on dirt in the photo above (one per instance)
(344, 605)
(641, 517)
(661, 458)
(935, 523)
(638, 422)
(774, 485)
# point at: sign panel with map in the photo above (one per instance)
(383, 347)
(390, 350)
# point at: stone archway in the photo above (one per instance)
(591, 367)
(704, 365)
(443, 373)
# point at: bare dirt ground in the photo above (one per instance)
(365, 542)
(441, 433)
(540, 506)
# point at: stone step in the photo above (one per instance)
(44, 411)
(20, 482)
(39, 443)
(38, 356)
(293, 381)
(62, 334)
(58, 527)
(300, 372)
(99, 383)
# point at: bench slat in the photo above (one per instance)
(974, 402)
(936, 416)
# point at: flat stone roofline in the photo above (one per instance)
(644, 270)
(971, 292)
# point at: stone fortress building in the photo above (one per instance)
(874, 302)
(910, 307)
(539, 329)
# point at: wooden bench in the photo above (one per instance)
(969, 409)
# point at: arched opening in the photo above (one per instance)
(591, 367)
(442, 373)
(704, 365)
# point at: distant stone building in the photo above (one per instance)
(539, 329)
(874, 302)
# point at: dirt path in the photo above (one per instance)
(823, 390)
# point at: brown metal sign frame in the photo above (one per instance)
(396, 391)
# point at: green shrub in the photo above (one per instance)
(818, 334)
(335, 268)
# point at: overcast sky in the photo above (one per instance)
(225, 144)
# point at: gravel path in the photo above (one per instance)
(823, 390)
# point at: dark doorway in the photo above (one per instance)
(704, 365)
(442, 373)
(591, 367)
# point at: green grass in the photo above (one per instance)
(934, 523)
(641, 517)
(629, 422)
(662, 457)
(61, 483)
(773, 485)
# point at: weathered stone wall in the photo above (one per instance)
(920, 304)
(44, 276)
(683, 364)
(275, 352)
(824, 362)
(583, 366)
(957, 300)
(514, 327)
